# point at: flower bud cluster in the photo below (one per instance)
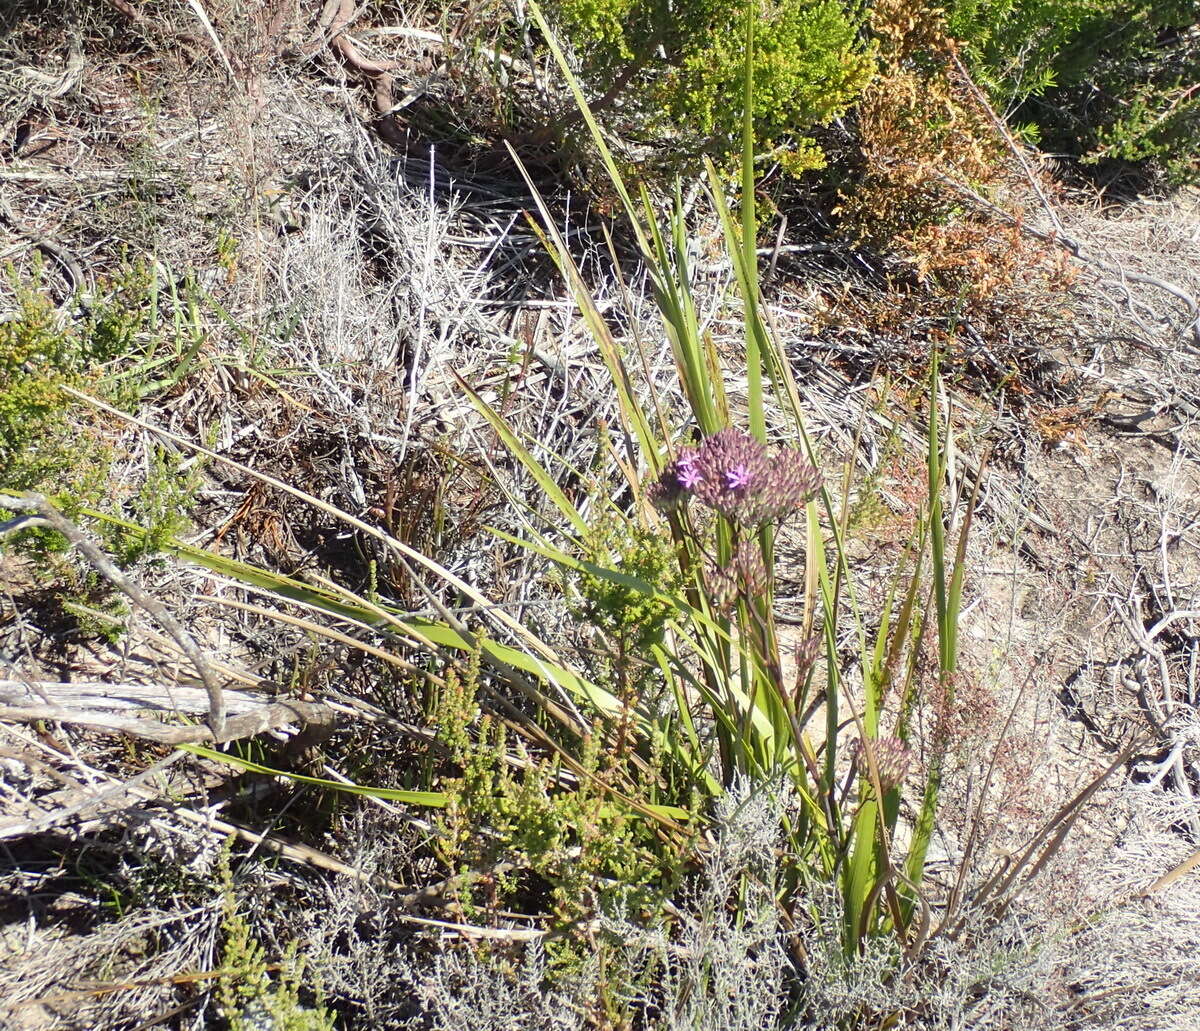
(738, 477)
(893, 758)
(807, 653)
(745, 576)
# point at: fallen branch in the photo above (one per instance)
(378, 72)
(257, 721)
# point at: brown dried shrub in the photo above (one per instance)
(938, 194)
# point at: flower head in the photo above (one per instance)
(807, 653)
(738, 476)
(678, 479)
(893, 758)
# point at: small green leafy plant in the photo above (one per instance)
(508, 815)
(65, 452)
(102, 345)
(249, 997)
(37, 355)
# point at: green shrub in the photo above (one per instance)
(1017, 47)
(633, 621)
(507, 816)
(37, 356)
(64, 451)
(43, 349)
(1100, 79)
(680, 67)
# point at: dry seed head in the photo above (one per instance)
(892, 757)
(744, 576)
(807, 653)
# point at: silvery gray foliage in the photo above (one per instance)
(992, 980)
(359, 947)
(462, 992)
(1038, 969)
(722, 968)
(353, 929)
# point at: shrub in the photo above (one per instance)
(1017, 47)
(506, 817)
(1108, 80)
(68, 454)
(37, 355)
(926, 144)
(917, 128)
(680, 67)
(42, 350)
(250, 999)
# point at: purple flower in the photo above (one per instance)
(687, 474)
(680, 477)
(739, 477)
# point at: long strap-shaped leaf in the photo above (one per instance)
(523, 455)
(426, 799)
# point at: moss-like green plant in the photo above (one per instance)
(160, 507)
(681, 65)
(509, 812)
(250, 999)
(42, 350)
(632, 619)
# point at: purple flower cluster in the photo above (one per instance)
(735, 475)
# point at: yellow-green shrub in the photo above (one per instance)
(679, 67)
(36, 356)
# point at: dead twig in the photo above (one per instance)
(37, 505)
